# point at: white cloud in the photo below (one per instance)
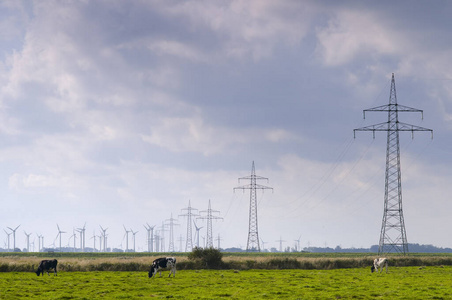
(354, 33)
(249, 28)
(194, 135)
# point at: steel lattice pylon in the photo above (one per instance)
(209, 217)
(393, 234)
(253, 234)
(190, 213)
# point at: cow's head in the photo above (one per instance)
(38, 272)
(372, 269)
(151, 272)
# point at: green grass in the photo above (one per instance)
(350, 283)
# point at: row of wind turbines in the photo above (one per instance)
(151, 239)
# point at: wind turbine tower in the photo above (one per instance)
(104, 237)
(127, 238)
(8, 234)
(59, 234)
(393, 234)
(28, 241)
(297, 245)
(74, 235)
(253, 234)
(14, 237)
(209, 217)
(263, 244)
(82, 237)
(94, 241)
(197, 233)
(133, 236)
(150, 237)
(190, 213)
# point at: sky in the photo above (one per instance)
(122, 113)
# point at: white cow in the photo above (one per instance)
(380, 263)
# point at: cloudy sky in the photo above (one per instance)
(118, 113)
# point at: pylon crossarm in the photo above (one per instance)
(413, 128)
(250, 186)
(394, 107)
(384, 127)
(373, 128)
(253, 177)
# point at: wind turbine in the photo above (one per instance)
(8, 234)
(94, 240)
(298, 244)
(39, 242)
(263, 244)
(133, 238)
(127, 238)
(59, 234)
(82, 237)
(74, 235)
(197, 233)
(14, 237)
(104, 236)
(28, 241)
(41, 245)
(150, 230)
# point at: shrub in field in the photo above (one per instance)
(209, 258)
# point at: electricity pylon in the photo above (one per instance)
(209, 217)
(253, 235)
(393, 234)
(171, 224)
(190, 213)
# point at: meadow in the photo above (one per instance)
(241, 276)
(354, 283)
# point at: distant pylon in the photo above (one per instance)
(209, 217)
(393, 234)
(253, 234)
(189, 215)
(171, 237)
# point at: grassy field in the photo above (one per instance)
(352, 283)
(242, 276)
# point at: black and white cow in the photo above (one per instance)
(379, 263)
(163, 263)
(46, 265)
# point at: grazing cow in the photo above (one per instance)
(46, 265)
(163, 263)
(379, 263)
